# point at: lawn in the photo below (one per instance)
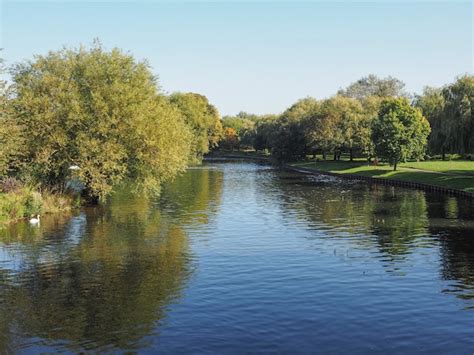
(453, 174)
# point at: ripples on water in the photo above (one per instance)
(237, 258)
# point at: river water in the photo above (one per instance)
(243, 258)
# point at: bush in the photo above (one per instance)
(9, 184)
(25, 202)
(33, 203)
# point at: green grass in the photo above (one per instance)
(461, 167)
(452, 174)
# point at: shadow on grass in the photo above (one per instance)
(462, 181)
(451, 181)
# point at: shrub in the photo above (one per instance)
(9, 184)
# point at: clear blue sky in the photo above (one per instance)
(257, 56)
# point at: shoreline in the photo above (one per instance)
(373, 180)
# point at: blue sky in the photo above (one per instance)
(262, 56)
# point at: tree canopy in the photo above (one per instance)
(203, 119)
(372, 85)
(400, 131)
(449, 111)
(100, 111)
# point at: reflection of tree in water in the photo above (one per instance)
(399, 220)
(396, 221)
(103, 279)
(457, 258)
(395, 218)
(108, 290)
(451, 220)
(194, 195)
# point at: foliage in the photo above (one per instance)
(23, 202)
(100, 111)
(244, 129)
(287, 138)
(459, 102)
(202, 118)
(372, 85)
(400, 131)
(11, 143)
(449, 111)
(230, 140)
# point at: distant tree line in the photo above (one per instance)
(100, 115)
(372, 117)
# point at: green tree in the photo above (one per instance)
(11, 142)
(372, 85)
(244, 129)
(459, 101)
(203, 119)
(323, 126)
(370, 109)
(432, 103)
(100, 111)
(289, 140)
(400, 131)
(265, 128)
(449, 111)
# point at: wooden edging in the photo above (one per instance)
(382, 181)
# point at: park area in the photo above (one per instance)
(457, 174)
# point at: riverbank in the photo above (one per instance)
(453, 177)
(448, 176)
(24, 202)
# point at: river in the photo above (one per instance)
(243, 258)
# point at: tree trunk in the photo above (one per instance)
(394, 165)
(351, 154)
(335, 155)
(443, 154)
(324, 155)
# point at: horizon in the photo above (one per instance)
(257, 57)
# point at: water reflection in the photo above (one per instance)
(279, 261)
(101, 279)
(397, 221)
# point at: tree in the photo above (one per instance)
(202, 118)
(244, 130)
(432, 103)
(347, 116)
(370, 109)
(289, 140)
(372, 85)
(231, 140)
(459, 101)
(323, 126)
(11, 142)
(100, 111)
(400, 131)
(449, 111)
(265, 129)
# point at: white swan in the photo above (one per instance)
(35, 220)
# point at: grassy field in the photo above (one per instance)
(454, 174)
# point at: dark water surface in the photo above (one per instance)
(241, 258)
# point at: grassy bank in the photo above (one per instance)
(451, 174)
(24, 202)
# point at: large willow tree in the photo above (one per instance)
(100, 111)
(449, 110)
